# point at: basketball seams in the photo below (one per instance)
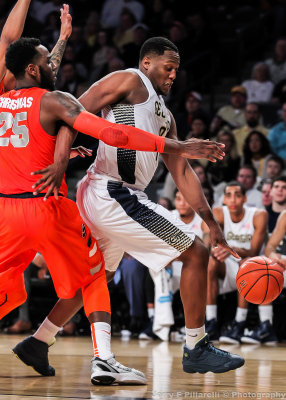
(267, 285)
(253, 285)
(259, 269)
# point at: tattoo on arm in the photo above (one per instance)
(73, 107)
(58, 52)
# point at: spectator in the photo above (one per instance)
(256, 151)
(274, 167)
(278, 201)
(244, 229)
(69, 57)
(130, 51)
(266, 192)
(39, 10)
(277, 136)
(199, 127)
(233, 114)
(124, 34)
(92, 26)
(69, 79)
(112, 9)
(259, 88)
(224, 170)
(247, 177)
(192, 106)
(277, 64)
(252, 119)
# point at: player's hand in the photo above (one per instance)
(66, 23)
(80, 151)
(219, 253)
(276, 257)
(52, 177)
(218, 241)
(199, 148)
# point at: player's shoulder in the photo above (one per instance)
(218, 212)
(260, 214)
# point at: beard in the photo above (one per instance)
(252, 123)
(47, 81)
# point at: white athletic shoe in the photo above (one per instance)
(107, 372)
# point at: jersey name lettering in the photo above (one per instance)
(22, 102)
(239, 238)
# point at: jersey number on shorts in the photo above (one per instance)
(20, 137)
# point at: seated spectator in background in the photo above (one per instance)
(245, 231)
(252, 118)
(278, 201)
(51, 31)
(277, 136)
(111, 53)
(279, 93)
(69, 57)
(224, 170)
(179, 36)
(91, 29)
(102, 45)
(199, 127)
(192, 107)
(130, 51)
(38, 268)
(200, 171)
(233, 114)
(265, 187)
(260, 87)
(217, 124)
(124, 34)
(112, 9)
(256, 151)
(40, 10)
(277, 63)
(275, 167)
(247, 178)
(70, 79)
(80, 46)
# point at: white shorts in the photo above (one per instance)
(228, 284)
(125, 220)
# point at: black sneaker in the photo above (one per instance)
(233, 333)
(212, 329)
(264, 333)
(147, 333)
(34, 353)
(205, 357)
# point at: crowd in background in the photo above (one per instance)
(219, 42)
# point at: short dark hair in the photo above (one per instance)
(20, 54)
(277, 159)
(157, 45)
(235, 183)
(251, 167)
(278, 179)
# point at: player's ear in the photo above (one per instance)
(146, 62)
(33, 70)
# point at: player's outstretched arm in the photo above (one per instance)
(12, 30)
(66, 30)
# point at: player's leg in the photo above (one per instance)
(232, 333)
(216, 272)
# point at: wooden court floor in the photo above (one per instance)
(263, 375)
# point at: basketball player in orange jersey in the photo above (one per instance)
(126, 220)
(13, 29)
(31, 115)
(245, 229)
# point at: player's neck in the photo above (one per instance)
(237, 216)
(187, 218)
(26, 83)
(278, 207)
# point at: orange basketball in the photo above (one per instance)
(260, 280)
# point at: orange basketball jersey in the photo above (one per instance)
(24, 145)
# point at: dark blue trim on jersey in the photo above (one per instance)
(25, 195)
(126, 162)
(149, 219)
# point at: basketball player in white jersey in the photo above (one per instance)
(112, 203)
(245, 229)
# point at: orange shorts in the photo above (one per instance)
(55, 229)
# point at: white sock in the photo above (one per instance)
(150, 312)
(193, 336)
(46, 331)
(241, 314)
(211, 311)
(266, 313)
(101, 337)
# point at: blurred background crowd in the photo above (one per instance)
(231, 87)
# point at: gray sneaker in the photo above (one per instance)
(107, 372)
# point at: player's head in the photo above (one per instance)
(183, 207)
(27, 59)
(159, 60)
(234, 197)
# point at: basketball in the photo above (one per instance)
(260, 280)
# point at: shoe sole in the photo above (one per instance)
(22, 359)
(220, 370)
(248, 340)
(228, 340)
(110, 378)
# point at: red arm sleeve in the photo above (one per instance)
(124, 136)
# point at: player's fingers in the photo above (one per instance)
(229, 250)
(49, 192)
(41, 188)
(56, 193)
(39, 172)
(39, 182)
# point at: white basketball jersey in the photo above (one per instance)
(134, 168)
(239, 234)
(195, 225)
